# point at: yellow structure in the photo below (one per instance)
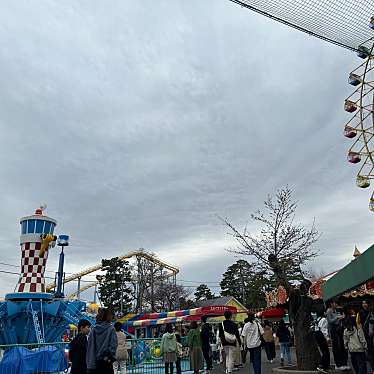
(226, 301)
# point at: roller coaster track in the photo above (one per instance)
(139, 253)
(75, 294)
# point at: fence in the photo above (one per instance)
(144, 358)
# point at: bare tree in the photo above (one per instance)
(168, 296)
(284, 247)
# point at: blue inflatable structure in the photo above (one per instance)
(20, 360)
(31, 315)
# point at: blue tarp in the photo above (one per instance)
(20, 360)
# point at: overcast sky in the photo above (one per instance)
(138, 122)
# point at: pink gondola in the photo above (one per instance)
(354, 157)
(350, 132)
(350, 106)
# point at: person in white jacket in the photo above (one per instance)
(355, 343)
(252, 333)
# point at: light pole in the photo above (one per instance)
(62, 241)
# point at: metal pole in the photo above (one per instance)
(95, 293)
(79, 288)
(60, 274)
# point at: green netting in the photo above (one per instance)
(342, 22)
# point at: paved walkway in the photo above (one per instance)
(266, 365)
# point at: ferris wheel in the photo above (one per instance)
(361, 126)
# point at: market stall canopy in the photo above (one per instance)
(153, 319)
(353, 275)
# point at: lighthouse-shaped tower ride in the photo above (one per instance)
(36, 239)
(30, 314)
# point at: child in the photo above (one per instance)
(355, 343)
(78, 348)
(121, 354)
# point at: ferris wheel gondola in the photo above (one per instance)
(361, 125)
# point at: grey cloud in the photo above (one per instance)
(138, 123)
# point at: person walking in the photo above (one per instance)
(321, 334)
(206, 339)
(78, 348)
(194, 345)
(355, 343)
(336, 330)
(243, 347)
(252, 334)
(179, 353)
(229, 336)
(169, 348)
(366, 320)
(284, 336)
(269, 344)
(121, 353)
(102, 344)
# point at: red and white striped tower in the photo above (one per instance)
(34, 257)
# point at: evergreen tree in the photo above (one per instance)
(203, 292)
(246, 283)
(114, 287)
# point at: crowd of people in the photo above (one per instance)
(103, 349)
(100, 349)
(349, 333)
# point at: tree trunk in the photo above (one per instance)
(307, 353)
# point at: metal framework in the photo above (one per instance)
(361, 126)
(160, 271)
(342, 22)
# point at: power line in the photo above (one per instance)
(199, 282)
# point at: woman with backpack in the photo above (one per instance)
(169, 349)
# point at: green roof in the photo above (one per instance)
(356, 273)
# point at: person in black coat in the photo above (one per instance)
(206, 339)
(78, 348)
(229, 327)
